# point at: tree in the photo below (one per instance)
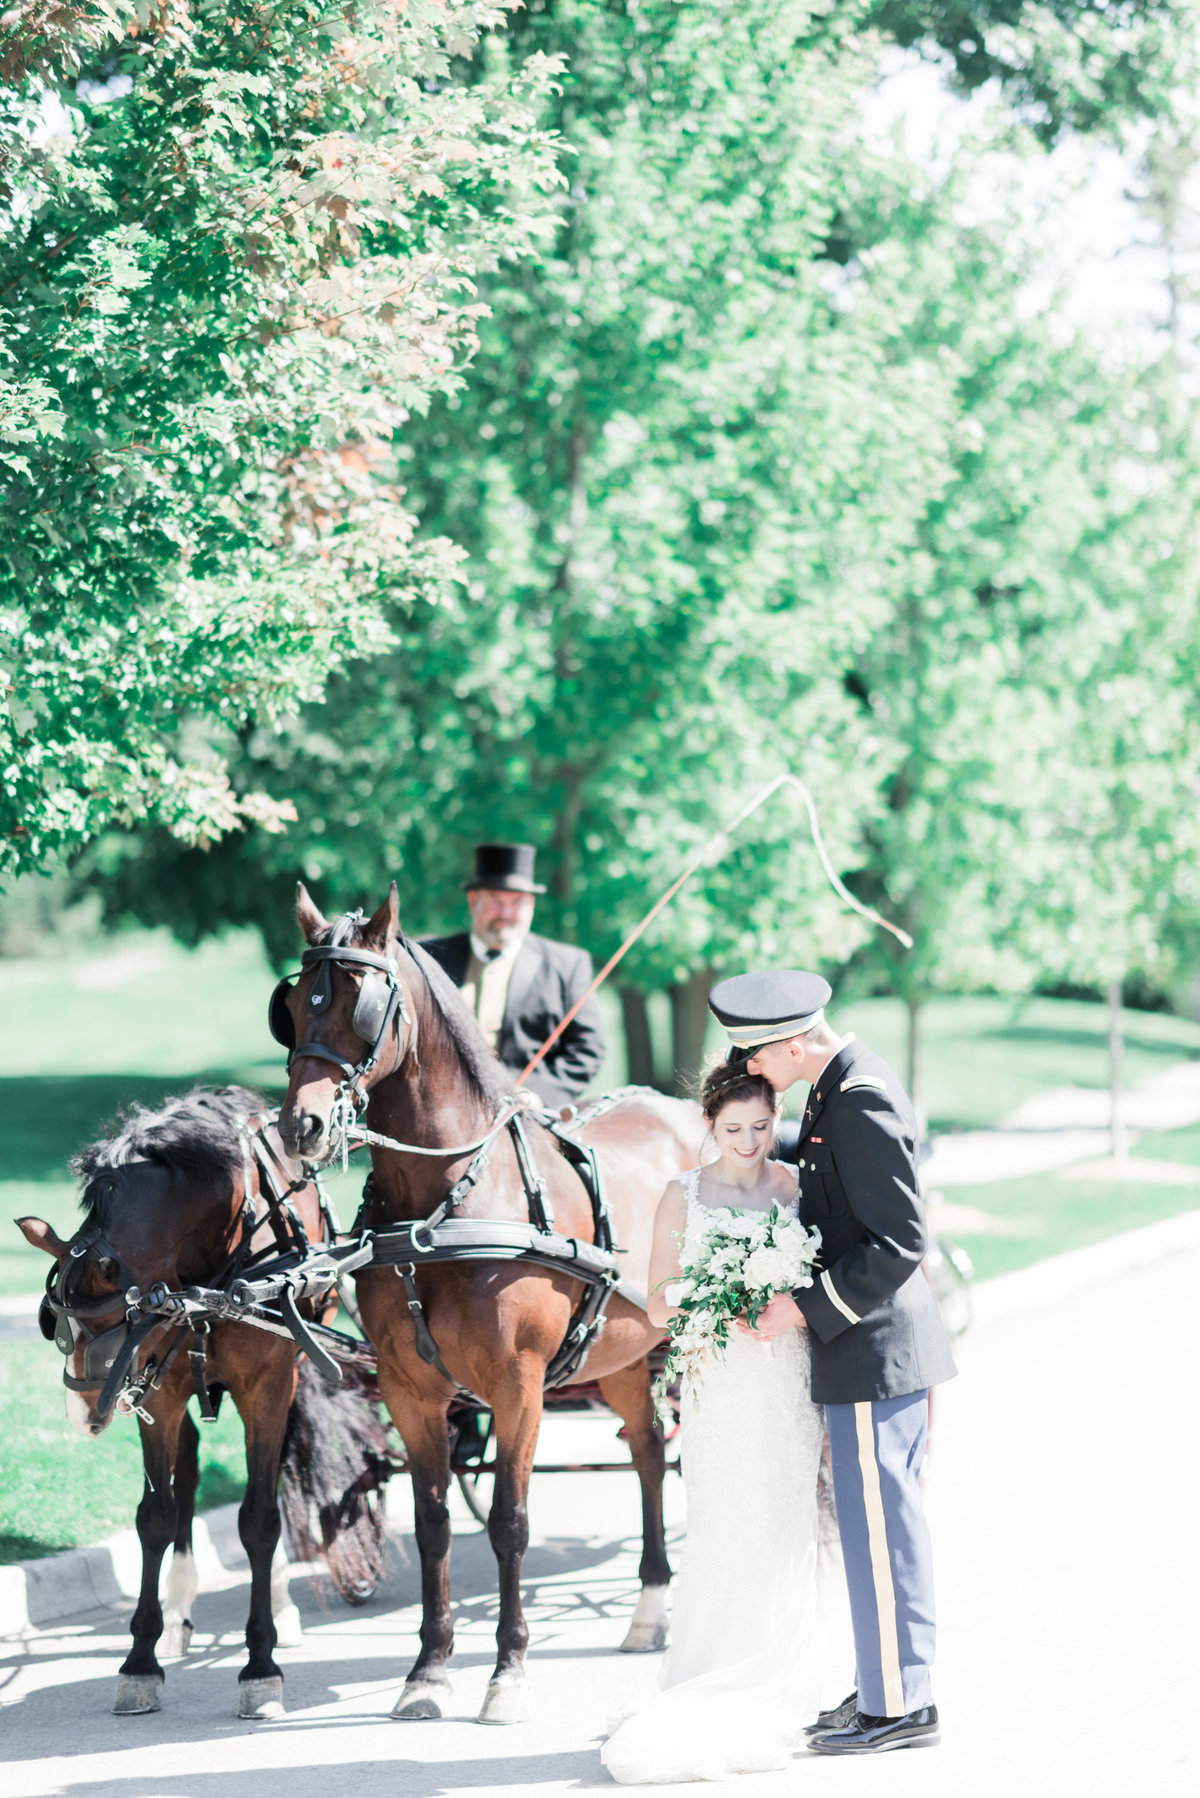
(762, 445)
(673, 458)
(1065, 64)
(962, 681)
(240, 253)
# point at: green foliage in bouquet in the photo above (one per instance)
(742, 1259)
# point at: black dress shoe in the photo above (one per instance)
(837, 1718)
(873, 1735)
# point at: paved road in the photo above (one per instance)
(1063, 1501)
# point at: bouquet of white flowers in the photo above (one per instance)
(742, 1259)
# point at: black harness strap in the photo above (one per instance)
(441, 1237)
(198, 1361)
(276, 1188)
(535, 1189)
(427, 1348)
(304, 1339)
(123, 1361)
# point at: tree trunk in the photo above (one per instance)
(1116, 1108)
(689, 1022)
(912, 1009)
(639, 1048)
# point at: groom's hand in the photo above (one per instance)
(777, 1317)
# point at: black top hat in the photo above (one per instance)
(504, 867)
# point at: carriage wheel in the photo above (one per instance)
(468, 1485)
(471, 1432)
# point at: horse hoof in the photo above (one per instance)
(421, 1700)
(506, 1701)
(360, 1591)
(137, 1693)
(260, 1699)
(175, 1640)
(648, 1630)
(288, 1632)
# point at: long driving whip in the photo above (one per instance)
(718, 842)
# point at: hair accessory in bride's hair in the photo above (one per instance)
(723, 1079)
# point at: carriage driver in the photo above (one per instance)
(877, 1341)
(520, 985)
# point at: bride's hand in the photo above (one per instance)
(779, 1315)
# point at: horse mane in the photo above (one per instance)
(487, 1077)
(195, 1136)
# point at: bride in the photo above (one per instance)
(744, 1674)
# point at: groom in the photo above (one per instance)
(878, 1343)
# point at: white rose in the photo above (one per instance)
(767, 1267)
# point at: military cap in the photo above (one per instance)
(768, 1007)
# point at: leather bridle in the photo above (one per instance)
(110, 1355)
(378, 1008)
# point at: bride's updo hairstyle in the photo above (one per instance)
(725, 1082)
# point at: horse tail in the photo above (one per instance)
(336, 1462)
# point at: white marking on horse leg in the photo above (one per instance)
(648, 1630)
(182, 1585)
(288, 1632)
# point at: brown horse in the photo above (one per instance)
(497, 1325)
(175, 1197)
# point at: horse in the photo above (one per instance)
(490, 1328)
(181, 1197)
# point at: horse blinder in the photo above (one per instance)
(101, 1352)
(279, 1018)
(371, 1008)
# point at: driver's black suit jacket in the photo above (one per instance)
(547, 978)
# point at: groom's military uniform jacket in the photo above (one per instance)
(871, 1313)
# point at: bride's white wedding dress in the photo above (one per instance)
(744, 1672)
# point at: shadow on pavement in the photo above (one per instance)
(395, 1775)
(347, 1654)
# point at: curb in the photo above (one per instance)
(33, 1593)
(109, 1573)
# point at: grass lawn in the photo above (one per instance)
(57, 1489)
(1047, 1214)
(1171, 1145)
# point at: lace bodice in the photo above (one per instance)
(697, 1210)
